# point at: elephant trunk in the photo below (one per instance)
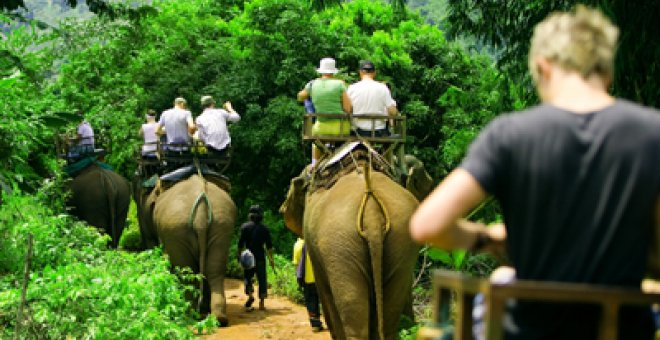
(200, 224)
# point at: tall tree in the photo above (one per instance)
(508, 25)
(318, 5)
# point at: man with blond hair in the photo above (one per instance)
(577, 178)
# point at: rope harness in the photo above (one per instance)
(202, 195)
(369, 192)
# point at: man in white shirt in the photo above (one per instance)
(370, 97)
(85, 135)
(83, 143)
(212, 124)
(148, 132)
(178, 125)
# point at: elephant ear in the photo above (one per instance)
(293, 207)
(418, 181)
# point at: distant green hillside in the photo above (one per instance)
(52, 12)
(434, 11)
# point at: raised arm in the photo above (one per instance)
(233, 115)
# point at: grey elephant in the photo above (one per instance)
(100, 197)
(194, 220)
(356, 230)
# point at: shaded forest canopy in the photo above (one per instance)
(257, 54)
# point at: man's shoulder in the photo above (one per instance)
(635, 109)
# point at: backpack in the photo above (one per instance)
(247, 259)
(300, 269)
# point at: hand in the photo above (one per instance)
(497, 246)
(227, 106)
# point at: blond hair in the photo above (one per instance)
(583, 41)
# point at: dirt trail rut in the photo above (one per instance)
(282, 319)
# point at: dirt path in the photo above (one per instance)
(282, 319)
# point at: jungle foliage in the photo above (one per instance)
(255, 53)
(507, 26)
(79, 289)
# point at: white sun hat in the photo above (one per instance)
(327, 66)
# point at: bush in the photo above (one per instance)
(283, 280)
(130, 239)
(79, 289)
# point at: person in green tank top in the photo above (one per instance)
(329, 97)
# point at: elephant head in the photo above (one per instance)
(145, 200)
(101, 197)
(418, 181)
(293, 207)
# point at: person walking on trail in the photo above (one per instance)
(577, 179)
(328, 96)
(212, 125)
(370, 97)
(177, 124)
(305, 276)
(255, 236)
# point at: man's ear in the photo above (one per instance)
(543, 67)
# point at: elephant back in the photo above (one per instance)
(101, 197)
(344, 161)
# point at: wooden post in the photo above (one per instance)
(26, 279)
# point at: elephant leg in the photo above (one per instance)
(216, 266)
(347, 274)
(399, 258)
(332, 319)
(180, 245)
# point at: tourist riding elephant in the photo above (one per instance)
(101, 197)
(363, 257)
(194, 221)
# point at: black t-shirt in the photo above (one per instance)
(255, 236)
(578, 191)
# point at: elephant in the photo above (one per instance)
(194, 221)
(101, 197)
(356, 231)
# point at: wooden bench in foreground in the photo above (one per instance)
(465, 288)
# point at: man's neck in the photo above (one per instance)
(367, 76)
(571, 92)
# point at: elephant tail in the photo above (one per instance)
(201, 228)
(375, 236)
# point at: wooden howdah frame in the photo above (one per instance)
(610, 298)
